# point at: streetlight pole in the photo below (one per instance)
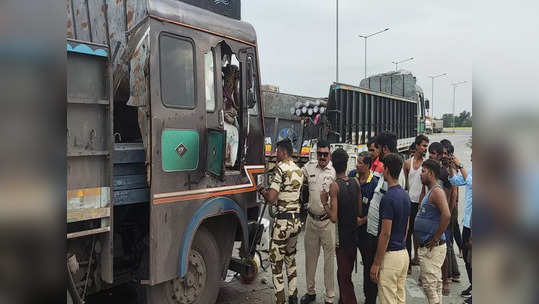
(455, 85)
(432, 96)
(396, 63)
(365, 37)
(337, 38)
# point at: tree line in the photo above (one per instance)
(464, 119)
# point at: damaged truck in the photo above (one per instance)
(165, 147)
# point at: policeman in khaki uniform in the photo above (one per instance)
(284, 192)
(319, 230)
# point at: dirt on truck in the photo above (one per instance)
(165, 147)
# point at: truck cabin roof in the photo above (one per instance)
(178, 12)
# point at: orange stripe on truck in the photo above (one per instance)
(162, 198)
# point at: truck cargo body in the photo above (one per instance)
(355, 115)
(149, 191)
(280, 123)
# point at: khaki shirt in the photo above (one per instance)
(287, 180)
(317, 179)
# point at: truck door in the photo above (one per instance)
(178, 128)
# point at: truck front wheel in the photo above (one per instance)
(200, 285)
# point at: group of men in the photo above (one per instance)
(369, 210)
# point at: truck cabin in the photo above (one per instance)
(181, 116)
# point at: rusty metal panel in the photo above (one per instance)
(136, 12)
(116, 28)
(98, 22)
(82, 24)
(70, 33)
(139, 71)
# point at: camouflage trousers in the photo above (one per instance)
(283, 250)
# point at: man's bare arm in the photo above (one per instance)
(270, 195)
(422, 195)
(331, 210)
(406, 172)
(438, 199)
(453, 202)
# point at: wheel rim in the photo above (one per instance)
(187, 290)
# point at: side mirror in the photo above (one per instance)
(427, 104)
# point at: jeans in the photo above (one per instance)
(367, 247)
(466, 233)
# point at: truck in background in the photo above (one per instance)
(281, 123)
(150, 197)
(350, 116)
(400, 83)
(437, 125)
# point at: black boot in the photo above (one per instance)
(307, 298)
(292, 300)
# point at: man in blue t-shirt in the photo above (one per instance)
(391, 262)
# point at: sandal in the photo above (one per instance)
(456, 279)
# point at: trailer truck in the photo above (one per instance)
(165, 146)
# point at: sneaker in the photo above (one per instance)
(307, 298)
(467, 293)
(468, 300)
(292, 300)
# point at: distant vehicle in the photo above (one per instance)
(437, 125)
(428, 125)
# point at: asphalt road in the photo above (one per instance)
(261, 291)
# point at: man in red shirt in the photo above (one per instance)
(377, 165)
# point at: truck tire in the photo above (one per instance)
(201, 282)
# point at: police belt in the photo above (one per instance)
(315, 216)
(286, 216)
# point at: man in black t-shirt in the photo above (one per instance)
(345, 210)
(391, 262)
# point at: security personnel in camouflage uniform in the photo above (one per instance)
(284, 191)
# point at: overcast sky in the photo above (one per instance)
(296, 41)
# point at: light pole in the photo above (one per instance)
(455, 85)
(337, 38)
(365, 37)
(432, 97)
(396, 63)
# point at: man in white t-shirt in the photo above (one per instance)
(412, 175)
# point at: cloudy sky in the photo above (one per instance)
(296, 41)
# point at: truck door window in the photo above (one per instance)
(209, 80)
(177, 72)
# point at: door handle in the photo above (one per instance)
(221, 118)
